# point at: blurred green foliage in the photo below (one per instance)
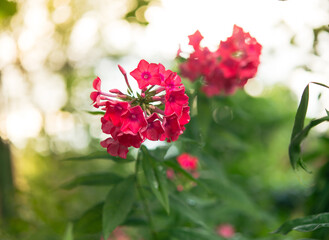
(7, 8)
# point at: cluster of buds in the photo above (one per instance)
(158, 112)
(187, 162)
(229, 67)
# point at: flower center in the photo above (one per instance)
(146, 75)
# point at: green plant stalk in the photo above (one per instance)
(144, 202)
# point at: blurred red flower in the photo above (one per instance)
(229, 67)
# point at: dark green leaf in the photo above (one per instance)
(93, 179)
(204, 115)
(118, 204)
(320, 84)
(101, 155)
(154, 177)
(299, 133)
(300, 115)
(188, 211)
(90, 222)
(193, 233)
(306, 224)
(294, 147)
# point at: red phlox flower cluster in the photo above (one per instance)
(225, 230)
(229, 67)
(188, 162)
(159, 112)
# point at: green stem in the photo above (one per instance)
(144, 201)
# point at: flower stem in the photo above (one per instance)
(144, 201)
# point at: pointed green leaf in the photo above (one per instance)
(118, 204)
(69, 232)
(306, 224)
(93, 179)
(320, 84)
(299, 132)
(102, 154)
(294, 147)
(96, 112)
(155, 177)
(301, 114)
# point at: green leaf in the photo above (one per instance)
(93, 179)
(100, 155)
(155, 178)
(193, 233)
(204, 115)
(294, 147)
(91, 221)
(118, 204)
(96, 112)
(306, 224)
(7, 8)
(188, 211)
(300, 115)
(69, 232)
(299, 133)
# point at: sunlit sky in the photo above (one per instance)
(38, 92)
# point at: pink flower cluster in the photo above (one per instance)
(159, 112)
(229, 67)
(188, 163)
(225, 230)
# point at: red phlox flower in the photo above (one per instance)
(195, 39)
(170, 173)
(190, 69)
(240, 54)
(175, 101)
(173, 81)
(146, 74)
(229, 67)
(109, 128)
(172, 128)
(185, 118)
(164, 74)
(188, 162)
(154, 129)
(95, 96)
(114, 148)
(114, 111)
(225, 230)
(133, 119)
(130, 120)
(129, 139)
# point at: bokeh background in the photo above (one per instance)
(51, 50)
